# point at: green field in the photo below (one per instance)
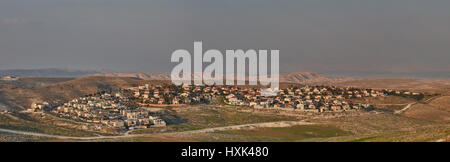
(199, 117)
(24, 122)
(289, 134)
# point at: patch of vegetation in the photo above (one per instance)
(169, 128)
(216, 117)
(199, 117)
(23, 122)
(291, 134)
(20, 128)
(429, 134)
(383, 100)
(364, 139)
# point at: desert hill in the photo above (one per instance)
(296, 77)
(427, 112)
(442, 103)
(140, 75)
(50, 72)
(427, 86)
(21, 97)
(21, 93)
(310, 78)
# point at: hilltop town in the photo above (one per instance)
(131, 108)
(108, 110)
(305, 98)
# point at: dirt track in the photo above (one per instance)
(245, 126)
(234, 127)
(411, 104)
(405, 108)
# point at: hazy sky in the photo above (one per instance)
(312, 35)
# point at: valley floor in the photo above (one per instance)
(226, 124)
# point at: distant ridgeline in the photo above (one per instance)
(46, 73)
(295, 77)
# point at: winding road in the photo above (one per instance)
(405, 108)
(411, 104)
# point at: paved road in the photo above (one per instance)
(244, 126)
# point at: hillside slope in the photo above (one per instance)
(20, 97)
(442, 103)
(427, 86)
(427, 112)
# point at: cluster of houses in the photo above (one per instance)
(106, 109)
(397, 92)
(174, 95)
(8, 78)
(310, 99)
(113, 110)
(40, 106)
(313, 99)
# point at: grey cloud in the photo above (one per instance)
(312, 35)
